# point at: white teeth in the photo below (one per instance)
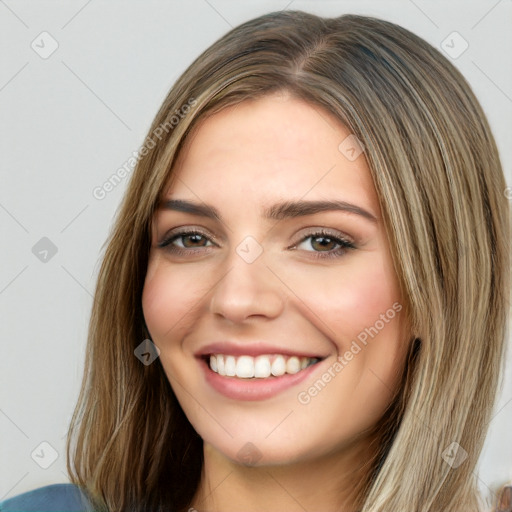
(221, 367)
(261, 367)
(278, 366)
(230, 366)
(293, 365)
(245, 367)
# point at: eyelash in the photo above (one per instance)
(344, 243)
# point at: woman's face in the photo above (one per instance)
(276, 258)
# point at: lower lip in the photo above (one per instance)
(254, 389)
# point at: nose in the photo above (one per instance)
(246, 290)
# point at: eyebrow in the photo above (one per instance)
(279, 211)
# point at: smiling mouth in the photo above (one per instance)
(259, 367)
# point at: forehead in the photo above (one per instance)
(275, 146)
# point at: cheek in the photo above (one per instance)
(169, 298)
(352, 298)
(363, 310)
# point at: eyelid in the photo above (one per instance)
(313, 230)
(345, 242)
(185, 229)
(317, 230)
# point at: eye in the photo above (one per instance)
(325, 244)
(190, 241)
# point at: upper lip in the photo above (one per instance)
(252, 349)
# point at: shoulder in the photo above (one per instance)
(50, 498)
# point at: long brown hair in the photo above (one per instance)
(441, 187)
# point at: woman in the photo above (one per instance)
(303, 303)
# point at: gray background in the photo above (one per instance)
(70, 120)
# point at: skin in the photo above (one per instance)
(307, 455)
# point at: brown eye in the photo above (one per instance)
(322, 243)
(325, 245)
(185, 240)
(193, 240)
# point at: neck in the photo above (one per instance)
(331, 483)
